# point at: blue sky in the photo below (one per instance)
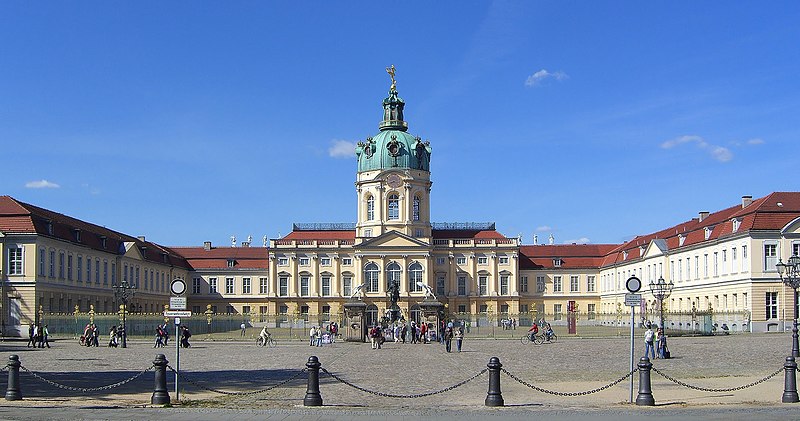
(593, 121)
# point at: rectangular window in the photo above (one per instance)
(283, 288)
(483, 282)
(196, 310)
(523, 308)
(325, 261)
(770, 257)
(724, 262)
(441, 260)
(135, 279)
(97, 271)
(326, 310)
(772, 305)
(195, 285)
(462, 285)
(503, 260)
(212, 285)
(696, 267)
(69, 267)
(79, 268)
(229, 309)
(590, 283)
(60, 264)
(88, 270)
(462, 308)
(440, 285)
(573, 284)
(368, 232)
(461, 260)
(304, 280)
(370, 209)
(52, 263)
(483, 308)
(523, 284)
(246, 288)
(705, 265)
(503, 284)
(590, 309)
(347, 286)
(245, 309)
(557, 284)
(556, 311)
(42, 258)
(283, 261)
(105, 272)
(263, 309)
(304, 261)
(347, 261)
(482, 260)
(15, 263)
(263, 286)
(229, 285)
(326, 286)
(716, 264)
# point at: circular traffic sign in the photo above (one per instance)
(633, 284)
(178, 286)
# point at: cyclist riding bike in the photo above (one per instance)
(533, 331)
(264, 335)
(548, 332)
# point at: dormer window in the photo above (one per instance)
(736, 224)
(77, 233)
(231, 263)
(49, 227)
(164, 257)
(557, 262)
(681, 239)
(625, 255)
(707, 232)
(103, 241)
(143, 249)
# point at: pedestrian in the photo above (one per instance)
(45, 336)
(185, 335)
(243, 326)
(165, 333)
(661, 338)
(448, 338)
(403, 332)
(334, 328)
(312, 334)
(31, 331)
(40, 335)
(459, 335)
(112, 337)
(159, 337)
(423, 333)
(648, 343)
(95, 336)
(398, 330)
(412, 332)
(373, 337)
(318, 337)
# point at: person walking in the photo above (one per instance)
(112, 337)
(40, 335)
(45, 336)
(661, 339)
(403, 332)
(448, 338)
(95, 336)
(648, 343)
(243, 327)
(31, 331)
(459, 335)
(412, 332)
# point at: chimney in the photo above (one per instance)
(746, 201)
(207, 245)
(703, 215)
(141, 238)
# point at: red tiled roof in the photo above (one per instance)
(572, 255)
(321, 235)
(20, 217)
(217, 257)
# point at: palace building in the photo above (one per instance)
(722, 264)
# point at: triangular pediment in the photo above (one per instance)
(392, 240)
(132, 251)
(657, 247)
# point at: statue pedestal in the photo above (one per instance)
(432, 314)
(355, 331)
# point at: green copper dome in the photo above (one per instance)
(393, 147)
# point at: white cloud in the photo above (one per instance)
(755, 141)
(537, 78)
(41, 184)
(342, 149)
(582, 240)
(719, 153)
(544, 228)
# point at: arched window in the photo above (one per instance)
(370, 208)
(392, 274)
(394, 206)
(371, 277)
(414, 276)
(416, 208)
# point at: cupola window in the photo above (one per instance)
(370, 208)
(416, 208)
(394, 207)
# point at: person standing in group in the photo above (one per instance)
(43, 336)
(448, 338)
(312, 334)
(403, 332)
(95, 336)
(412, 332)
(458, 333)
(243, 327)
(648, 343)
(423, 333)
(112, 337)
(661, 340)
(318, 338)
(398, 330)
(334, 329)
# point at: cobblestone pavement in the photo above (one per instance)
(571, 365)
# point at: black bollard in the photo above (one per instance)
(160, 394)
(494, 397)
(313, 397)
(790, 381)
(645, 396)
(13, 393)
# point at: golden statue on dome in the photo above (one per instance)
(390, 71)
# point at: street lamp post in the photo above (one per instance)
(123, 292)
(790, 275)
(661, 290)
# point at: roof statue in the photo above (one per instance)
(390, 71)
(264, 240)
(551, 240)
(233, 241)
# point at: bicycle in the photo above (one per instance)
(270, 341)
(543, 338)
(531, 339)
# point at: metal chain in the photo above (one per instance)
(553, 392)
(4, 368)
(708, 389)
(86, 389)
(416, 395)
(223, 392)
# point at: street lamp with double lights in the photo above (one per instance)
(790, 275)
(661, 290)
(123, 292)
